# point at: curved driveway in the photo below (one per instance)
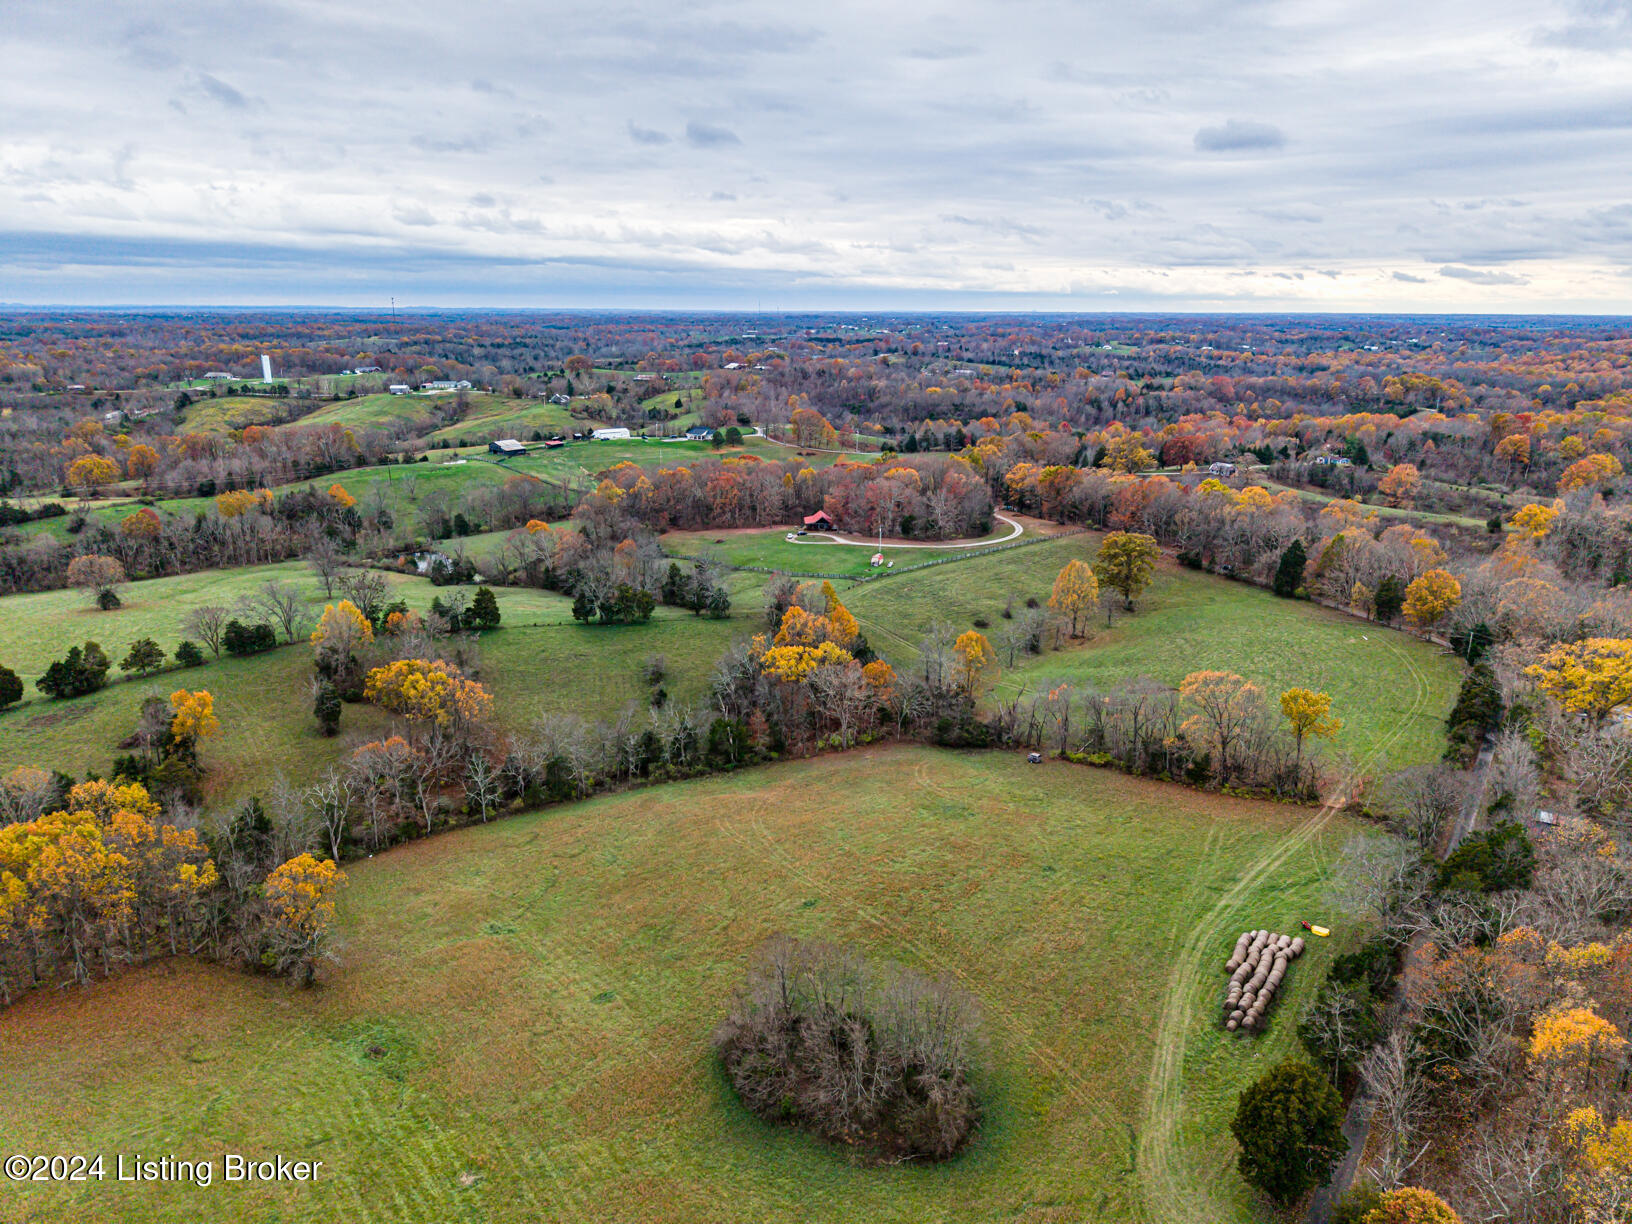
(987, 543)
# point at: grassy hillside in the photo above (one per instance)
(228, 412)
(494, 416)
(540, 661)
(809, 555)
(518, 1027)
(1186, 622)
(379, 409)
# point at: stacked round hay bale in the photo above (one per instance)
(1257, 967)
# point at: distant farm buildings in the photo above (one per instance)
(218, 376)
(1221, 469)
(820, 519)
(1333, 461)
(366, 370)
(615, 433)
(558, 398)
(699, 433)
(506, 447)
(448, 384)
(400, 388)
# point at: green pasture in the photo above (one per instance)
(517, 1027)
(1382, 681)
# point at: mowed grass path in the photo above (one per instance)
(519, 1026)
(1185, 622)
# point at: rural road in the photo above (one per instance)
(835, 538)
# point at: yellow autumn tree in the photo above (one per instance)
(880, 678)
(794, 663)
(235, 503)
(1076, 594)
(1431, 596)
(1125, 563)
(300, 912)
(1309, 713)
(1600, 1184)
(1570, 1040)
(843, 629)
(143, 524)
(1534, 521)
(341, 631)
(192, 718)
(1127, 453)
(1589, 677)
(974, 663)
(90, 472)
(429, 691)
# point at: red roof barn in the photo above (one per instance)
(820, 518)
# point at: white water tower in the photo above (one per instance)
(266, 368)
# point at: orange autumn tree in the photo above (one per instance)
(1411, 1205)
(338, 495)
(144, 524)
(1401, 485)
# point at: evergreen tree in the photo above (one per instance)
(326, 706)
(189, 655)
(145, 656)
(1290, 1128)
(1390, 599)
(1289, 574)
(1472, 642)
(11, 688)
(484, 610)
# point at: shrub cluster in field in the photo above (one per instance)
(866, 1053)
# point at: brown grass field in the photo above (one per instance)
(518, 1025)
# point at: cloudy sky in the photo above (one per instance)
(1200, 154)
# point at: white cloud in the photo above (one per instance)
(936, 154)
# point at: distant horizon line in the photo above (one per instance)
(849, 311)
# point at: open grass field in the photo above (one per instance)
(810, 555)
(582, 459)
(518, 1028)
(377, 409)
(228, 412)
(38, 627)
(540, 661)
(1185, 622)
(495, 416)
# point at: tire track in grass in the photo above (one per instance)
(1169, 1195)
